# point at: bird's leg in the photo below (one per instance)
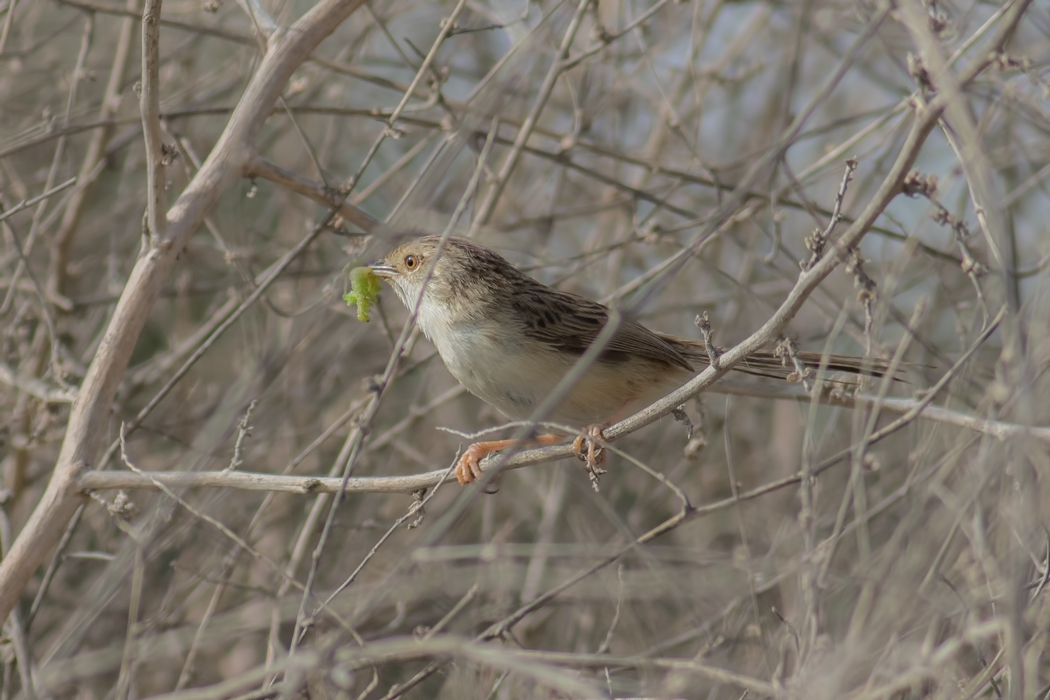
(587, 446)
(468, 468)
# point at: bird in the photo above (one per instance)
(510, 339)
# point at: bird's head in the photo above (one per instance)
(456, 273)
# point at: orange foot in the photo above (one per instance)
(588, 448)
(468, 468)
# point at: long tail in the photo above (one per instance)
(765, 363)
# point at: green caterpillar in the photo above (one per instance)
(364, 288)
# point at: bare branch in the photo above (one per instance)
(90, 413)
(36, 387)
(260, 167)
(149, 104)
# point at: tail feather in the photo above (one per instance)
(765, 363)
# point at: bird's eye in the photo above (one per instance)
(411, 262)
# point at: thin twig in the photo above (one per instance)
(149, 105)
(26, 203)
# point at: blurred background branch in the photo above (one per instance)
(679, 158)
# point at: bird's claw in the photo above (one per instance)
(588, 449)
(468, 468)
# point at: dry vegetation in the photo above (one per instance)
(777, 540)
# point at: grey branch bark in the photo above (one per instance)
(287, 48)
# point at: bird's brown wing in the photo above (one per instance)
(570, 323)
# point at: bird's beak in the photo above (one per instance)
(383, 270)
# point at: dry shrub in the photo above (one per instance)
(709, 134)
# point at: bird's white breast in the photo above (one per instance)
(501, 374)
